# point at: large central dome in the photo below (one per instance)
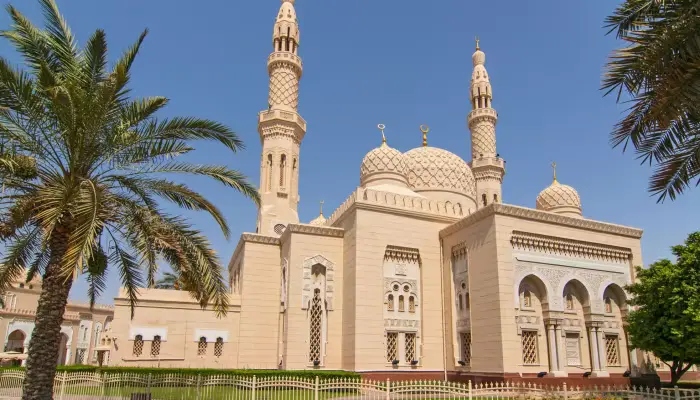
(430, 169)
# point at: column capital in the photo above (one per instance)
(553, 322)
(594, 324)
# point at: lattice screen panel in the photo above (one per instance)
(315, 328)
(529, 340)
(80, 359)
(138, 345)
(155, 346)
(392, 346)
(202, 346)
(612, 352)
(410, 347)
(466, 338)
(219, 347)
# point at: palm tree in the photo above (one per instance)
(84, 168)
(170, 281)
(658, 70)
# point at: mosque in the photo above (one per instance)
(423, 270)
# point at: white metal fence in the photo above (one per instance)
(113, 386)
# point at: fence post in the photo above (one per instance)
(316, 389)
(63, 385)
(104, 383)
(388, 388)
(148, 383)
(678, 392)
(199, 386)
(253, 391)
(566, 392)
(469, 389)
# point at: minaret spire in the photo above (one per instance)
(487, 165)
(281, 128)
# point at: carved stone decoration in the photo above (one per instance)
(401, 254)
(459, 250)
(327, 268)
(400, 269)
(438, 169)
(533, 242)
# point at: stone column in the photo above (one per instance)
(553, 358)
(561, 349)
(597, 349)
(593, 348)
(556, 367)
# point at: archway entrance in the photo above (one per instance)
(15, 341)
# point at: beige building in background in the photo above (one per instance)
(423, 269)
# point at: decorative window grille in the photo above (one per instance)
(612, 351)
(608, 305)
(219, 347)
(390, 303)
(466, 342)
(569, 302)
(412, 304)
(392, 346)
(202, 346)
(401, 305)
(80, 356)
(138, 345)
(155, 346)
(315, 328)
(529, 341)
(527, 298)
(410, 342)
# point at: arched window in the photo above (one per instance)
(155, 346)
(495, 198)
(85, 332)
(390, 303)
(608, 305)
(466, 301)
(315, 328)
(98, 330)
(483, 198)
(527, 298)
(138, 345)
(283, 165)
(461, 302)
(269, 172)
(401, 305)
(569, 301)
(411, 304)
(202, 346)
(219, 347)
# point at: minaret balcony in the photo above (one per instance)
(488, 161)
(288, 116)
(482, 113)
(285, 57)
(277, 122)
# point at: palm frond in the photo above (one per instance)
(30, 41)
(18, 255)
(59, 35)
(129, 272)
(96, 274)
(194, 129)
(94, 59)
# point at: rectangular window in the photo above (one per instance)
(612, 351)
(529, 342)
(573, 349)
(466, 347)
(392, 346)
(410, 339)
(80, 356)
(155, 346)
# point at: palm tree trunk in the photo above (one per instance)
(46, 337)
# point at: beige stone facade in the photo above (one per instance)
(82, 330)
(424, 268)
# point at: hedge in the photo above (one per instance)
(203, 371)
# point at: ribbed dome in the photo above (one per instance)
(434, 169)
(561, 199)
(320, 220)
(383, 163)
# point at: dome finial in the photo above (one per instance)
(425, 129)
(320, 212)
(288, 1)
(554, 171)
(381, 129)
(477, 43)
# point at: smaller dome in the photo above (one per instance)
(560, 199)
(382, 164)
(435, 169)
(478, 58)
(320, 220)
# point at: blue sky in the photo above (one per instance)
(403, 64)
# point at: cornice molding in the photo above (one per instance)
(313, 230)
(568, 247)
(542, 216)
(459, 250)
(405, 254)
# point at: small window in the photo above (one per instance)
(483, 199)
(569, 302)
(138, 345)
(390, 303)
(411, 304)
(612, 351)
(466, 347)
(406, 288)
(219, 347)
(202, 346)
(608, 305)
(410, 347)
(155, 346)
(21, 285)
(527, 299)
(463, 286)
(466, 301)
(396, 288)
(461, 302)
(495, 198)
(401, 305)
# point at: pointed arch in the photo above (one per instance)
(535, 286)
(539, 282)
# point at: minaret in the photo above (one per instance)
(487, 165)
(281, 128)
